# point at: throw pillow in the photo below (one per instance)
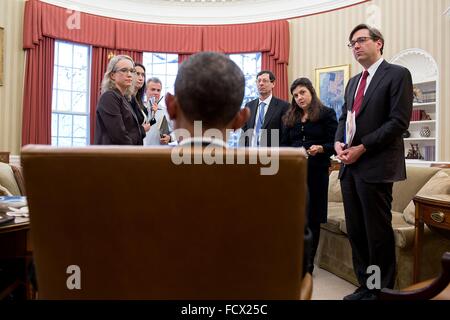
(8, 180)
(438, 184)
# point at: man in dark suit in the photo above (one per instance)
(265, 115)
(377, 110)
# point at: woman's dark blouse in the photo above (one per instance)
(137, 110)
(116, 123)
(306, 134)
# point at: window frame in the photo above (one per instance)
(56, 114)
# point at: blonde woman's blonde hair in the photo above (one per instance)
(107, 82)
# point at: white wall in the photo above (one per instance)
(11, 93)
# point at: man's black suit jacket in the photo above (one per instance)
(272, 121)
(384, 115)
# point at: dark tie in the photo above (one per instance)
(360, 95)
(260, 120)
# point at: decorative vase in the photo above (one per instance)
(425, 132)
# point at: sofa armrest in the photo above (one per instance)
(404, 237)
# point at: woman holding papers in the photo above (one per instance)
(311, 125)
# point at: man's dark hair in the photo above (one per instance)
(141, 92)
(374, 34)
(271, 75)
(210, 88)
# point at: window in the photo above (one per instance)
(70, 99)
(250, 64)
(163, 66)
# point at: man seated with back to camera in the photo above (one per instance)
(209, 87)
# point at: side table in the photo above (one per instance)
(15, 250)
(435, 212)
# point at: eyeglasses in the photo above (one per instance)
(263, 80)
(126, 70)
(360, 41)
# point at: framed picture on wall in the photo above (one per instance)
(1, 54)
(330, 85)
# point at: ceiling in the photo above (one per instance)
(200, 12)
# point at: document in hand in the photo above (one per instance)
(164, 127)
(350, 128)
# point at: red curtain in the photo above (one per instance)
(277, 58)
(158, 37)
(43, 19)
(183, 57)
(100, 60)
(37, 98)
(280, 71)
(272, 38)
(32, 31)
(253, 37)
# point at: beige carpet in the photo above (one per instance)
(327, 286)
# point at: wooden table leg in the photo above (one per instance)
(417, 244)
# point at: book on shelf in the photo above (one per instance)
(429, 153)
(419, 115)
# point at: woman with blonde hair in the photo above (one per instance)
(116, 123)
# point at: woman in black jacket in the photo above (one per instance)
(309, 124)
(116, 123)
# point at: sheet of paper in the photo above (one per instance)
(350, 128)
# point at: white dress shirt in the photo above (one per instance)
(255, 139)
(372, 69)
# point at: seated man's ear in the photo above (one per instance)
(240, 119)
(172, 105)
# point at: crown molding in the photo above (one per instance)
(207, 12)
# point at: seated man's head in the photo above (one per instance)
(210, 88)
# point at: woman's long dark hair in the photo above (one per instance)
(295, 112)
(140, 93)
